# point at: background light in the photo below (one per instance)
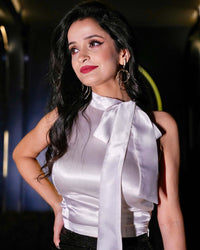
(5, 153)
(153, 85)
(5, 37)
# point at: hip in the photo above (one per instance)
(72, 241)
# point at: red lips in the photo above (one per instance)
(87, 69)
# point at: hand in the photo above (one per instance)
(58, 225)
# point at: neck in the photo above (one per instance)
(113, 91)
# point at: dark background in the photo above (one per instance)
(168, 40)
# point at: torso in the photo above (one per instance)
(76, 176)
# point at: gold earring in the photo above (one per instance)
(124, 65)
(123, 75)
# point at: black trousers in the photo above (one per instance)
(73, 241)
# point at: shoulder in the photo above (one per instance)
(46, 123)
(165, 120)
(51, 117)
(167, 124)
(37, 139)
(48, 119)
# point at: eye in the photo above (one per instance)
(95, 43)
(73, 51)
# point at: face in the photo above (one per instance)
(95, 59)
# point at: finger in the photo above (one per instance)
(56, 239)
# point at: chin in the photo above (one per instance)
(90, 83)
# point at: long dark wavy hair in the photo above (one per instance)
(69, 95)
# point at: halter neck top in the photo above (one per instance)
(108, 176)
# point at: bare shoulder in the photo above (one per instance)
(165, 120)
(37, 139)
(47, 121)
(166, 123)
(50, 118)
(44, 125)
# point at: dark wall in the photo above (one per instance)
(36, 99)
(162, 53)
(11, 110)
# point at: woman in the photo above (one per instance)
(101, 146)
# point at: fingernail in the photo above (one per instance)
(58, 247)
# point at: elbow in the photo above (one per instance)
(15, 155)
(21, 154)
(169, 217)
(171, 226)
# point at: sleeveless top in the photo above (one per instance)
(78, 174)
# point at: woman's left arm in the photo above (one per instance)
(169, 213)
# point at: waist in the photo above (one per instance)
(68, 237)
(133, 223)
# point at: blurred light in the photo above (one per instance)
(5, 15)
(16, 5)
(153, 85)
(196, 44)
(2, 13)
(194, 15)
(5, 153)
(26, 58)
(4, 35)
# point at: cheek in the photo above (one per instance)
(76, 69)
(110, 61)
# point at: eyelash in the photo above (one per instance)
(95, 41)
(91, 45)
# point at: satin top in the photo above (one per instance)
(77, 174)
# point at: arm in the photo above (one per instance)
(169, 212)
(25, 155)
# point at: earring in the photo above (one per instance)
(123, 75)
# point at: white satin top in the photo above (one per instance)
(100, 180)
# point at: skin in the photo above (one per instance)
(91, 45)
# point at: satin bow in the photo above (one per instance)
(120, 123)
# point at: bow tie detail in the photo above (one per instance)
(120, 123)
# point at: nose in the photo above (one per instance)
(83, 56)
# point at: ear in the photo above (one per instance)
(124, 54)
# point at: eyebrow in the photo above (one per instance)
(86, 38)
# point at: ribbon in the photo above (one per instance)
(120, 123)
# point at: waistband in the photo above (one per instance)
(83, 241)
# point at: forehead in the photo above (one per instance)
(84, 28)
